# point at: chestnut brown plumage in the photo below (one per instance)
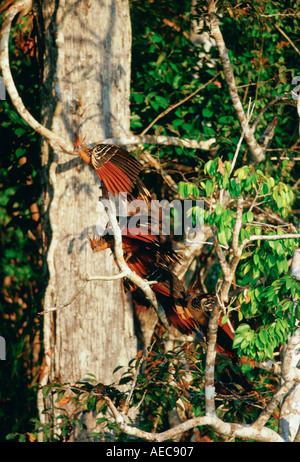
(189, 311)
(118, 170)
(144, 255)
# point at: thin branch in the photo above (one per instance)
(179, 103)
(265, 108)
(57, 308)
(272, 405)
(295, 15)
(249, 115)
(274, 237)
(83, 286)
(237, 225)
(131, 275)
(287, 37)
(55, 140)
(132, 139)
(255, 149)
(222, 297)
(147, 157)
(106, 278)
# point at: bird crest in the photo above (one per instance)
(78, 143)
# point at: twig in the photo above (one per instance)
(132, 139)
(86, 280)
(179, 103)
(287, 37)
(57, 308)
(274, 237)
(280, 14)
(264, 109)
(294, 159)
(132, 387)
(237, 226)
(147, 157)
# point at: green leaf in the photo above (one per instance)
(263, 337)
(219, 209)
(237, 341)
(224, 320)
(207, 113)
(209, 187)
(222, 237)
(242, 328)
(20, 131)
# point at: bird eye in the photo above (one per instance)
(78, 147)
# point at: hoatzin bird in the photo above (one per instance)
(148, 259)
(186, 311)
(117, 169)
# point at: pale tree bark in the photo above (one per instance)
(86, 84)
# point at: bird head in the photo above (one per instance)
(83, 151)
(78, 143)
(99, 243)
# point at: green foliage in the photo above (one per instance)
(20, 266)
(270, 299)
(165, 69)
(148, 390)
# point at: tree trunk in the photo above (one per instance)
(86, 49)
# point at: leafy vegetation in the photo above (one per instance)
(166, 68)
(20, 268)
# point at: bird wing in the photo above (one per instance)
(117, 169)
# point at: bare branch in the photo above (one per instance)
(289, 371)
(256, 150)
(287, 37)
(210, 360)
(264, 109)
(132, 139)
(147, 157)
(274, 237)
(249, 115)
(54, 140)
(272, 405)
(86, 279)
(237, 225)
(230, 430)
(131, 275)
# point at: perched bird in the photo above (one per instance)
(142, 251)
(146, 257)
(117, 169)
(189, 311)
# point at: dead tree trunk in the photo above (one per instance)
(86, 48)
